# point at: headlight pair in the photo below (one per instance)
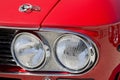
(75, 53)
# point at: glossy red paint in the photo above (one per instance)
(80, 13)
(113, 75)
(97, 19)
(10, 15)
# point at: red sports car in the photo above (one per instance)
(60, 40)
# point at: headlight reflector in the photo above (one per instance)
(28, 51)
(75, 53)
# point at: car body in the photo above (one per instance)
(97, 20)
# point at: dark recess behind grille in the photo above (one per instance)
(6, 37)
(2, 78)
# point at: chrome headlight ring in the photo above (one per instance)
(29, 51)
(72, 57)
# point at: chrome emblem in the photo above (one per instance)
(27, 8)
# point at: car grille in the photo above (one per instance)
(6, 37)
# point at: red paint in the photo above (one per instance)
(80, 13)
(116, 71)
(10, 15)
(97, 19)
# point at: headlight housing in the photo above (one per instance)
(28, 51)
(75, 53)
(51, 50)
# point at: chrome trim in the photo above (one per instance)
(27, 8)
(45, 47)
(34, 74)
(90, 45)
(56, 30)
(18, 28)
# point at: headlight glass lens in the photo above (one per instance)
(73, 52)
(28, 50)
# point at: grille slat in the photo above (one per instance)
(6, 43)
(6, 60)
(6, 56)
(10, 64)
(4, 47)
(6, 37)
(5, 51)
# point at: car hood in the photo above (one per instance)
(11, 17)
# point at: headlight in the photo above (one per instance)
(28, 51)
(75, 53)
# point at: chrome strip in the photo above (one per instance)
(18, 28)
(57, 30)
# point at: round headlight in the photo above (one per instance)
(76, 53)
(28, 51)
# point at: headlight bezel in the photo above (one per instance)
(90, 45)
(45, 48)
(50, 37)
